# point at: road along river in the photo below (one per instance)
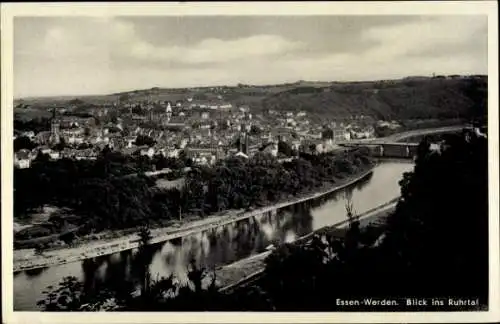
(217, 246)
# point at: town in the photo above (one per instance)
(204, 131)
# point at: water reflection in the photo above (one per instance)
(217, 246)
(33, 272)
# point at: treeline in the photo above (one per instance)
(105, 195)
(237, 183)
(111, 192)
(36, 125)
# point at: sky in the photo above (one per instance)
(102, 55)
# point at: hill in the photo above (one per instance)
(408, 98)
(402, 99)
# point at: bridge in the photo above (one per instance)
(394, 146)
(389, 149)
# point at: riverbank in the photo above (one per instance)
(246, 271)
(25, 261)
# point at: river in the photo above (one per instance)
(219, 246)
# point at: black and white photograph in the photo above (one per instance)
(244, 161)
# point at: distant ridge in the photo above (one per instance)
(410, 97)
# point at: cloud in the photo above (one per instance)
(216, 50)
(102, 55)
(416, 37)
(117, 40)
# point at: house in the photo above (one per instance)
(173, 153)
(75, 139)
(225, 106)
(271, 148)
(252, 149)
(314, 135)
(435, 147)
(312, 146)
(95, 139)
(87, 154)
(206, 125)
(29, 134)
(45, 150)
(54, 155)
(128, 150)
(295, 145)
(241, 154)
(148, 151)
(42, 137)
(129, 141)
(266, 137)
(183, 143)
(22, 159)
(193, 151)
(201, 160)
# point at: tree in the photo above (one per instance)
(61, 145)
(255, 130)
(124, 98)
(284, 148)
(327, 133)
(71, 296)
(23, 142)
(42, 157)
(144, 240)
(144, 140)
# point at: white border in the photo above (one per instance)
(262, 8)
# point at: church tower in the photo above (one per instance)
(244, 130)
(168, 111)
(54, 128)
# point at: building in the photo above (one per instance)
(147, 151)
(196, 151)
(241, 154)
(244, 129)
(271, 148)
(340, 135)
(22, 159)
(55, 127)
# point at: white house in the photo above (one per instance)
(130, 140)
(148, 151)
(45, 150)
(183, 143)
(22, 159)
(173, 153)
(29, 134)
(271, 149)
(54, 155)
(241, 154)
